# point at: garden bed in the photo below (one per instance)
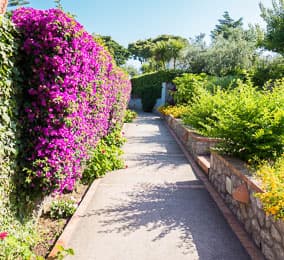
(50, 229)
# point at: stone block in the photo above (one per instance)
(268, 252)
(279, 251)
(275, 234)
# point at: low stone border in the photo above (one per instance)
(237, 187)
(196, 144)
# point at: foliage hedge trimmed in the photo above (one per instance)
(10, 90)
(148, 86)
(19, 230)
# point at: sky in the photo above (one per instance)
(127, 21)
(131, 20)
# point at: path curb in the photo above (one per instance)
(73, 222)
(236, 227)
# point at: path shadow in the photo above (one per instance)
(183, 208)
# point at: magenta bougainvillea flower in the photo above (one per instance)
(3, 235)
(73, 96)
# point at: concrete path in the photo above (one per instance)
(155, 209)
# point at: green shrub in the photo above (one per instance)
(106, 157)
(62, 209)
(268, 71)
(129, 116)
(189, 85)
(21, 230)
(250, 122)
(225, 82)
(201, 113)
(148, 86)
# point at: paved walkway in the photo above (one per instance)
(155, 209)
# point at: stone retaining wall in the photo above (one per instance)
(237, 187)
(196, 144)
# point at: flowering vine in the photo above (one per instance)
(74, 95)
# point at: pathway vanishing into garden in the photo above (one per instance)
(155, 209)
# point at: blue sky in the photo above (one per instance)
(130, 20)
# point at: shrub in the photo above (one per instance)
(187, 86)
(225, 82)
(176, 111)
(250, 122)
(272, 177)
(268, 71)
(62, 209)
(129, 116)
(148, 87)
(73, 96)
(105, 157)
(201, 113)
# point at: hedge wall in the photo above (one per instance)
(148, 86)
(73, 95)
(10, 89)
(60, 93)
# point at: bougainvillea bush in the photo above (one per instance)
(73, 96)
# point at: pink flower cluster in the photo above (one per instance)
(73, 96)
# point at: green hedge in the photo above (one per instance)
(21, 236)
(148, 86)
(189, 85)
(9, 105)
(266, 71)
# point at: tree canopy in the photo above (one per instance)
(274, 18)
(158, 52)
(225, 25)
(119, 53)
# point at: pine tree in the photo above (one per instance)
(225, 25)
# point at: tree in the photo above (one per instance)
(141, 50)
(119, 53)
(131, 70)
(195, 57)
(17, 3)
(274, 18)
(230, 55)
(225, 25)
(175, 49)
(162, 53)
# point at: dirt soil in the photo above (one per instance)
(50, 229)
